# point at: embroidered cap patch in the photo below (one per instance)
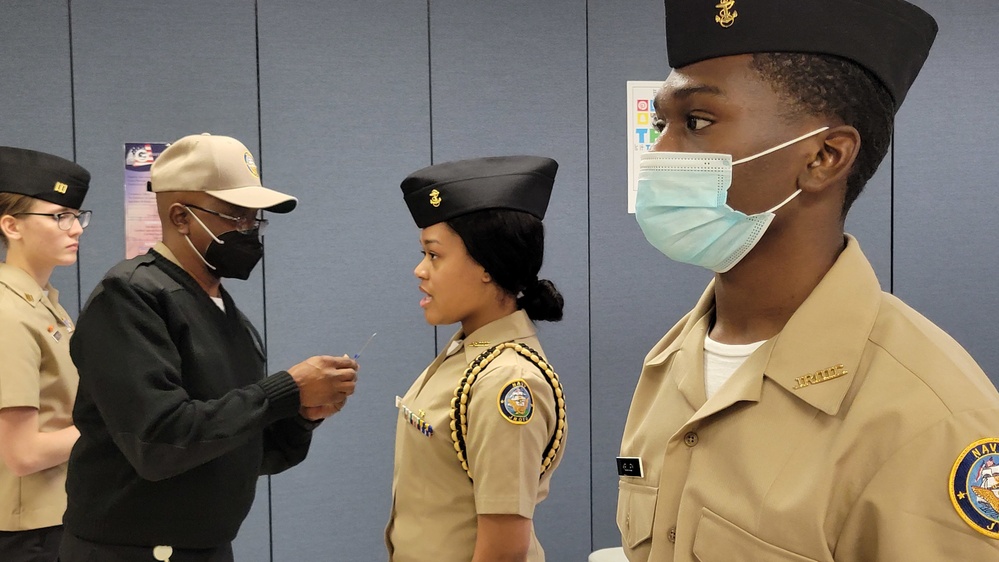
(516, 403)
(974, 486)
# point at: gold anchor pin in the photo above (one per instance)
(727, 16)
(435, 198)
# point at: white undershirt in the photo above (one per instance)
(721, 360)
(218, 302)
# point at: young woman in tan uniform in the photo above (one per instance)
(40, 227)
(481, 430)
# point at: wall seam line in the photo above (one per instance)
(263, 264)
(891, 219)
(589, 270)
(72, 118)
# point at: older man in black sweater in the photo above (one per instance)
(176, 414)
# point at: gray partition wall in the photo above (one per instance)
(36, 97)
(340, 100)
(945, 181)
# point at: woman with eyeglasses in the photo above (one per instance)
(480, 432)
(40, 227)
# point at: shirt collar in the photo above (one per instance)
(25, 286)
(511, 327)
(162, 249)
(816, 356)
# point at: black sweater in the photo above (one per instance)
(176, 416)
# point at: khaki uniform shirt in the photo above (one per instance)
(35, 371)
(435, 506)
(835, 441)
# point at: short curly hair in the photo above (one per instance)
(830, 86)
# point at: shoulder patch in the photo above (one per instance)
(974, 486)
(516, 404)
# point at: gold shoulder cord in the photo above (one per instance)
(462, 396)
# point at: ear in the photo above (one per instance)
(831, 163)
(8, 224)
(486, 278)
(180, 218)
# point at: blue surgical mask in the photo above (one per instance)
(681, 207)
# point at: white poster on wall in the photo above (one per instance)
(641, 135)
(142, 222)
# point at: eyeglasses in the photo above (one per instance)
(245, 225)
(65, 219)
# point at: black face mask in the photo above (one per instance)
(236, 256)
(231, 254)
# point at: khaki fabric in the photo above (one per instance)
(35, 371)
(833, 442)
(435, 506)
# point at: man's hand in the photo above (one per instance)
(324, 382)
(316, 413)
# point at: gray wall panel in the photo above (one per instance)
(869, 221)
(945, 197)
(35, 96)
(344, 99)
(509, 77)
(153, 71)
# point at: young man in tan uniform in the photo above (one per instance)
(797, 412)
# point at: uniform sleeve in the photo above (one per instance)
(286, 443)
(505, 454)
(906, 511)
(22, 360)
(130, 368)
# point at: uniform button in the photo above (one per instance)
(671, 535)
(690, 439)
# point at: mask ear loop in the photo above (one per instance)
(785, 202)
(210, 233)
(780, 146)
(191, 244)
(775, 149)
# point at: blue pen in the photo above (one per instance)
(358, 354)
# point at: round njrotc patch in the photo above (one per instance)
(516, 403)
(974, 486)
(250, 164)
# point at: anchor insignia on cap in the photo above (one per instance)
(435, 199)
(727, 16)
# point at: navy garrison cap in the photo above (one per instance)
(43, 176)
(444, 191)
(889, 38)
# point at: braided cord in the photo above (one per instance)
(463, 395)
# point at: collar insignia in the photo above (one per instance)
(820, 376)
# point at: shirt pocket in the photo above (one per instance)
(719, 540)
(636, 511)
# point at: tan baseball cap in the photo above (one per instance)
(219, 166)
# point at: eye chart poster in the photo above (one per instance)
(641, 135)
(142, 223)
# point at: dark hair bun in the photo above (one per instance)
(542, 301)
